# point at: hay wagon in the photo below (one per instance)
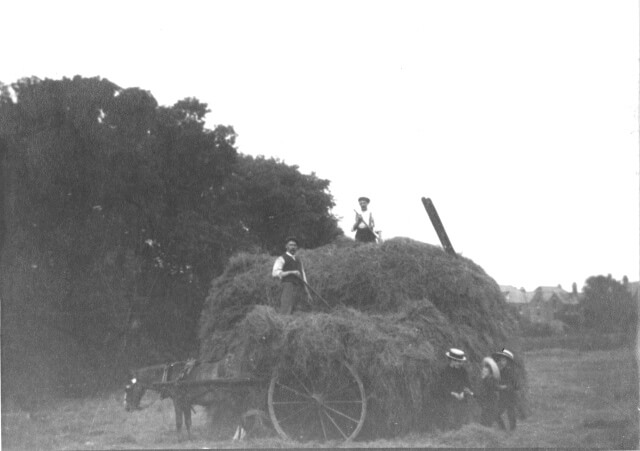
(324, 402)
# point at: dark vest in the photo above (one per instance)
(508, 377)
(291, 265)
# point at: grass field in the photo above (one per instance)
(578, 400)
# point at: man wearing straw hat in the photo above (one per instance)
(364, 223)
(507, 385)
(454, 389)
(290, 270)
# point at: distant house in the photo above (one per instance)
(547, 302)
(541, 305)
(517, 298)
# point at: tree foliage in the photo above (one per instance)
(608, 306)
(283, 202)
(118, 212)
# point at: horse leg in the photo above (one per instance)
(240, 433)
(178, 410)
(187, 418)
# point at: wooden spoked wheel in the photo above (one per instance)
(322, 403)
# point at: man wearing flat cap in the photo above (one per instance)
(507, 385)
(290, 270)
(453, 390)
(364, 223)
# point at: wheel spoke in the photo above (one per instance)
(309, 392)
(327, 385)
(296, 413)
(293, 390)
(335, 424)
(324, 430)
(333, 392)
(340, 413)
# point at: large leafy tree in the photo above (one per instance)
(85, 193)
(608, 306)
(117, 212)
(73, 152)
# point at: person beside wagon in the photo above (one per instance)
(507, 385)
(487, 395)
(290, 270)
(454, 391)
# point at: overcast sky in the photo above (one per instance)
(519, 119)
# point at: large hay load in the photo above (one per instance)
(395, 309)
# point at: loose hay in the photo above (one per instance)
(397, 307)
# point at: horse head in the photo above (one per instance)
(148, 378)
(133, 393)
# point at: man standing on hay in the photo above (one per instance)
(289, 269)
(454, 391)
(364, 224)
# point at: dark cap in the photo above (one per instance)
(366, 199)
(292, 238)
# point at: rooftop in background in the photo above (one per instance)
(515, 295)
(545, 294)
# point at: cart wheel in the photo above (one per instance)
(324, 402)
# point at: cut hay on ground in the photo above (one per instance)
(395, 309)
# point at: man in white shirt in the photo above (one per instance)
(364, 224)
(289, 269)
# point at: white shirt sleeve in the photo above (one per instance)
(277, 268)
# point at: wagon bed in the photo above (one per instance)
(210, 383)
(323, 402)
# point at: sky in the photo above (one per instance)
(519, 119)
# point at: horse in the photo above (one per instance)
(188, 384)
(149, 378)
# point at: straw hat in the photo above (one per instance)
(456, 354)
(504, 353)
